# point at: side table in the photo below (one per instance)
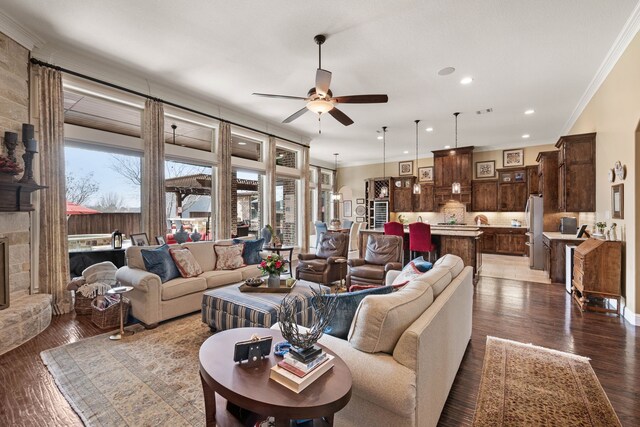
(251, 388)
(278, 249)
(120, 290)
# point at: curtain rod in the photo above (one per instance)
(135, 92)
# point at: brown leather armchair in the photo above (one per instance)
(383, 253)
(322, 267)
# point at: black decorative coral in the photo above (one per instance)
(323, 310)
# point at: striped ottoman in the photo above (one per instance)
(228, 308)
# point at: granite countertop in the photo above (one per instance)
(445, 230)
(500, 226)
(556, 235)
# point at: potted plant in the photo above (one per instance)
(8, 168)
(273, 265)
(601, 226)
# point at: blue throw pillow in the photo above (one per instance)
(251, 251)
(158, 261)
(413, 269)
(346, 306)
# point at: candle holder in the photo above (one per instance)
(11, 142)
(30, 151)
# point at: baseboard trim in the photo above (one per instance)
(630, 316)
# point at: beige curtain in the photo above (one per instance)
(306, 194)
(223, 218)
(154, 215)
(271, 183)
(53, 253)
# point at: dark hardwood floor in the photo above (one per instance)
(528, 312)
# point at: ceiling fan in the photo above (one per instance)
(320, 99)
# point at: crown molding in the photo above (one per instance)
(19, 33)
(628, 32)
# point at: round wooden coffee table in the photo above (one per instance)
(251, 389)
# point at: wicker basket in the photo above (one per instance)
(109, 317)
(83, 304)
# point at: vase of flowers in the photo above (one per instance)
(273, 265)
(8, 169)
(601, 226)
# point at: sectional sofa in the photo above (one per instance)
(153, 301)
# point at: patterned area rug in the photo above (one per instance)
(148, 379)
(525, 385)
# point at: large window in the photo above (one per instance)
(287, 210)
(188, 198)
(247, 198)
(103, 194)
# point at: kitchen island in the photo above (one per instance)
(460, 240)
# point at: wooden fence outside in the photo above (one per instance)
(105, 223)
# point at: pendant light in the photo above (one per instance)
(384, 191)
(416, 187)
(336, 196)
(455, 187)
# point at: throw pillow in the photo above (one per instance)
(229, 257)
(346, 305)
(158, 261)
(251, 252)
(186, 262)
(412, 270)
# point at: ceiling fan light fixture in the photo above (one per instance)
(320, 106)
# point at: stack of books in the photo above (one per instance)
(299, 369)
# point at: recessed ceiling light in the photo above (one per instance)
(530, 111)
(525, 136)
(466, 80)
(446, 71)
(405, 152)
(242, 143)
(447, 146)
(379, 136)
(429, 129)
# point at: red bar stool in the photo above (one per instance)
(420, 239)
(394, 228)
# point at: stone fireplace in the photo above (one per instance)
(25, 314)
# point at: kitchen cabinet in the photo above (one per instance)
(424, 202)
(402, 194)
(577, 173)
(504, 240)
(532, 179)
(512, 190)
(484, 195)
(453, 166)
(555, 255)
(548, 180)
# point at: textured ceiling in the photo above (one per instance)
(521, 55)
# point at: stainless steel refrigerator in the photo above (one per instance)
(534, 219)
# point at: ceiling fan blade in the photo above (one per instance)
(323, 80)
(295, 115)
(340, 116)
(269, 95)
(361, 99)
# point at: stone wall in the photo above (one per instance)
(15, 227)
(14, 110)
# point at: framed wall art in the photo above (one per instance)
(425, 174)
(359, 219)
(361, 210)
(346, 208)
(617, 201)
(512, 158)
(405, 168)
(486, 169)
(360, 201)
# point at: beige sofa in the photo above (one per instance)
(404, 348)
(153, 301)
